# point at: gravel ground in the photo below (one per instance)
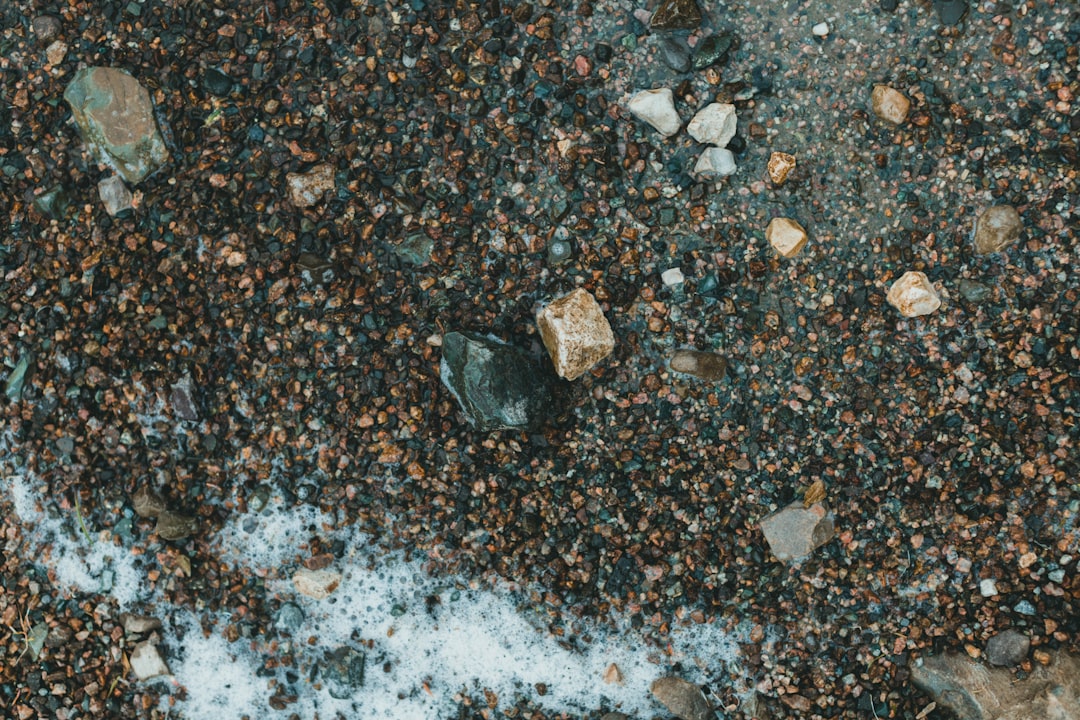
(309, 337)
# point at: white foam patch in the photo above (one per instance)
(77, 563)
(428, 642)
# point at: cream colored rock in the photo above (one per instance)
(780, 164)
(786, 236)
(656, 107)
(575, 333)
(714, 124)
(146, 661)
(318, 584)
(715, 162)
(997, 228)
(889, 104)
(913, 295)
(306, 189)
(796, 530)
(114, 195)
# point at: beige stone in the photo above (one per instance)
(913, 295)
(318, 584)
(976, 692)
(306, 189)
(796, 531)
(997, 228)
(575, 333)
(715, 124)
(146, 661)
(704, 365)
(889, 104)
(683, 699)
(656, 107)
(780, 164)
(786, 236)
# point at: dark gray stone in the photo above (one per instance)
(289, 618)
(676, 15)
(1007, 648)
(951, 11)
(714, 50)
(675, 53)
(497, 386)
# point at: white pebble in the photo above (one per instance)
(672, 277)
(988, 588)
(821, 29)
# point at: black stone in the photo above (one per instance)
(676, 15)
(714, 50)
(216, 82)
(497, 386)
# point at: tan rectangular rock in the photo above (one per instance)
(575, 333)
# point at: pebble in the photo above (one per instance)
(682, 698)
(289, 618)
(672, 277)
(575, 332)
(657, 108)
(114, 195)
(786, 236)
(317, 584)
(987, 587)
(780, 165)
(497, 386)
(115, 117)
(46, 27)
(676, 15)
(135, 625)
(713, 50)
(913, 295)
(997, 228)
(890, 105)
(973, 291)
(146, 661)
(306, 189)
(796, 530)
(675, 53)
(1008, 648)
(343, 671)
(700, 364)
(715, 162)
(559, 251)
(715, 124)
(56, 52)
(950, 12)
(821, 29)
(175, 526)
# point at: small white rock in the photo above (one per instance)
(821, 29)
(656, 107)
(988, 587)
(56, 52)
(714, 124)
(316, 584)
(716, 162)
(114, 195)
(672, 277)
(146, 661)
(889, 104)
(913, 295)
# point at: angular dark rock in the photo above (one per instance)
(343, 671)
(676, 15)
(714, 50)
(497, 386)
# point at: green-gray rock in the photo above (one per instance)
(714, 49)
(497, 386)
(53, 203)
(115, 117)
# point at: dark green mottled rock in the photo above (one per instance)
(115, 117)
(973, 291)
(174, 526)
(714, 50)
(951, 11)
(676, 15)
(415, 249)
(53, 203)
(216, 82)
(497, 386)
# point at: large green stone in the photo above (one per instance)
(115, 117)
(497, 386)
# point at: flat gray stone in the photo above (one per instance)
(115, 117)
(115, 195)
(796, 531)
(976, 692)
(1007, 648)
